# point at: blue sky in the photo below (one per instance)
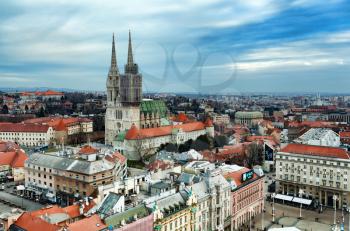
(214, 46)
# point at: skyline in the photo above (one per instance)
(188, 46)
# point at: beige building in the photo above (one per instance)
(29, 135)
(175, 212)
(221, 118)
(213, 202)
(248, 118)
(319, 171)
(61, 178)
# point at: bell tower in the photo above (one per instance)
(124, 95)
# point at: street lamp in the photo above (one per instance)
(301, 192)
(335, 208)
(262, 218)
(273, 207)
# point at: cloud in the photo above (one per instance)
(61, 42)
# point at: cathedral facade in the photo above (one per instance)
(125, 106)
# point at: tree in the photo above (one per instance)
(220, 141)
(142, 148)
(254, 154)
(203, 142)
(185, 147)
(5, 109)
(41, 112)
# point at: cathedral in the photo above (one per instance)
(137, 127)
(125, 106)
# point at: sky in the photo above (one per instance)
(198, 46)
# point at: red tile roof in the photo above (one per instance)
(6, 146)
(58, 123)
(181, 117)
(134, 133)
(237, 176)
(255, 138)
(61, 126)
(15, 159)
(344, 134)
(159, 164)
(316, 151)
(312, 124)
(116, 156)
(33, 221)
(208, 122)
(20, 127)
(48, 93)
(87, 150)
(93, 223)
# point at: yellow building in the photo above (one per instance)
(175, 212)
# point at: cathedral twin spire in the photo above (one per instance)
(114, 66)
(130, 67)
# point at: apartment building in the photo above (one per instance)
(175, 212)
(213, 202)
(64, 179)
(67, 129)
(320, 172)
(29, 135)
(247, 193)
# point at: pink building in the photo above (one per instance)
(137, 218)
(247, 195)
(144, 224)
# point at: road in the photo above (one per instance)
(286, 214)
(20, 202)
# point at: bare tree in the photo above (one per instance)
(142, 148)
(254, 154)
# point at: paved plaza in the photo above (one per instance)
(287, 216)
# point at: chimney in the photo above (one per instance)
(81, 209)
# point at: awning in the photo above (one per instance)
(50, 195)
(283, 197)
(302, 201)
(20, 188)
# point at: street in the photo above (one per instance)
(20, 202)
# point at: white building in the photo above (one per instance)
(320, 172)
(319, 136)
(29, 135)
(138, 143)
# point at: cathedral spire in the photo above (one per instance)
(130, 66)
(130, 56)
(114, 66)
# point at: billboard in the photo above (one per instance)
(247, 176)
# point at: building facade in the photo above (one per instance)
(247, 195)
(319, 136)
(63, 178)
(248, 118)
(29, 135)
(213, 202)
(124, 95)
(138, 143)
(320, 172)
(175, 212)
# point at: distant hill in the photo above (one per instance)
(32, 89)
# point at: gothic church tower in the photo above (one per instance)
(124, 95)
